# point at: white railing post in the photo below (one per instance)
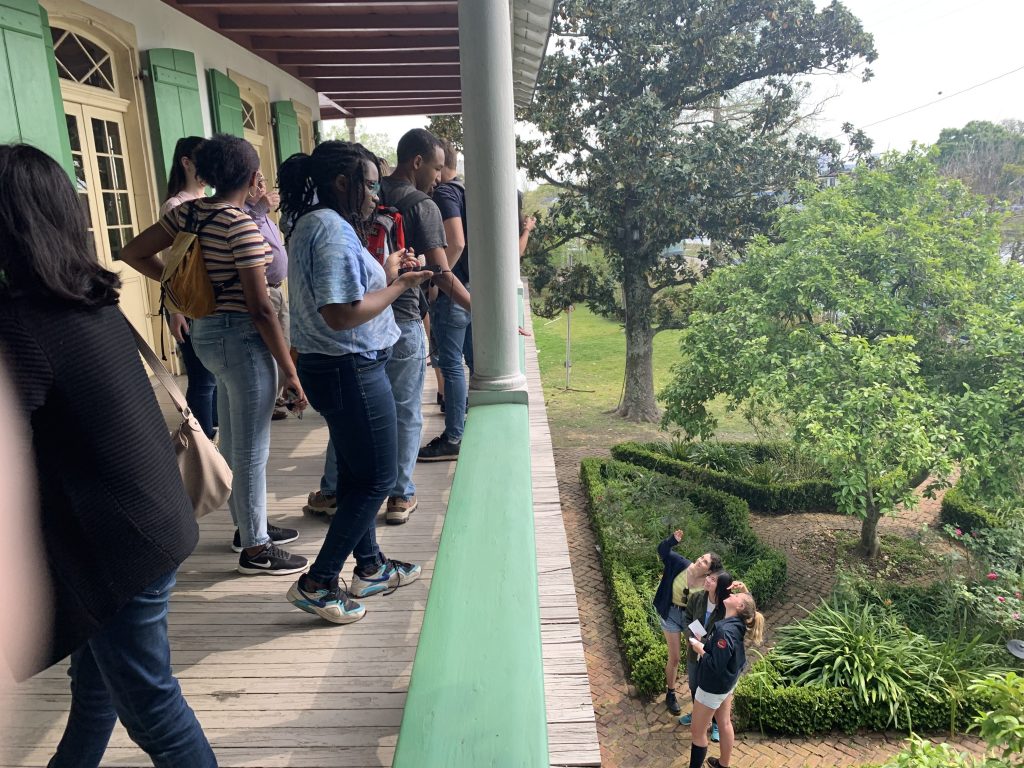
(488, 116)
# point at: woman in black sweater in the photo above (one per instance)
(114, 517)
(723, 656)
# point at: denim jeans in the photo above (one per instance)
(450, 325)
(124, 671)
(201, 393)
(406, 369)
(353, 394)
(329, 480)
(230, 346)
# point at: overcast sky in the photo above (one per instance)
(927, 50)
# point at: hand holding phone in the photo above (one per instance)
(435, 268)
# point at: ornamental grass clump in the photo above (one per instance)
(866, 650)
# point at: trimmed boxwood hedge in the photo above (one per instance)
(958, 510)
(775, 499)
(642, 644)
(763, 703)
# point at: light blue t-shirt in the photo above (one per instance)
(328, 265)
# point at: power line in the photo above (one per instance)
(944, 98)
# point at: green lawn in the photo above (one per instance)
(581, 416)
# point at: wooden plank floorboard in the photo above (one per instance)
(274, 687)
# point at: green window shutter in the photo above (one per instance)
(172, 100)
(318, 132)
(31, 107)
(225, 103)
(286, 130)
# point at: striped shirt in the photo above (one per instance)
(231, 241)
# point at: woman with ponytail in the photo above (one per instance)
(343, 329)
(722, 657)
(239, 343)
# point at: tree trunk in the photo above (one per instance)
(638, 403)
(869, 545)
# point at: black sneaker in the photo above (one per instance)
(277, 536)
(671, 703)
(439, 449)
(440, 401)
(271, 560)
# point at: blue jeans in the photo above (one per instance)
(353, 394)
(450, 326)
(201, 393)
(406, 369)
(229, 345)
(124, 671)
(329, 479)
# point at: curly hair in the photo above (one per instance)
(47, 249)
(306, 181)
(226, 163)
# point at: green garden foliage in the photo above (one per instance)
(733, 472)
(622, 499)
(959, 511)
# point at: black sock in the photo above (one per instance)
(697, 755)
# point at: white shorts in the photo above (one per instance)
(711, 700)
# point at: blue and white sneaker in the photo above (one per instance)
(714, 733)
(391, 575)
(335, 605)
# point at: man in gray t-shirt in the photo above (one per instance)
(420, 160)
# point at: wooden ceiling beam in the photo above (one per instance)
(399, 6)
(321, 59)
(454, 108)
(337, 22)
(388, 42)
(389, 84)
(384, 71)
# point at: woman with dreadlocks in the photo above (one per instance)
(343, 329)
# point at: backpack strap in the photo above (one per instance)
(410, 201)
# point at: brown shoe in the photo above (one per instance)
(279, 413)
(319, 504)
(399, 509)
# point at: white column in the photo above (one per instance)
(350, 123)
(488, 117)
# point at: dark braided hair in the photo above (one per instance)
(307, 181)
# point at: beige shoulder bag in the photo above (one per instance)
(204, 471)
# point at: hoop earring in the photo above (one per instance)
(253, 190)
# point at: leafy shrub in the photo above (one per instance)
(865, 650)
(960, 512)
(721, 466)
(627, 506)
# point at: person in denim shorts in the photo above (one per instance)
(679, 577)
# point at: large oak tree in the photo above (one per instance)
(665, 120)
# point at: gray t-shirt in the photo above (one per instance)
(424, 231)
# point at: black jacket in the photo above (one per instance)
(674, 565)
(724, 656)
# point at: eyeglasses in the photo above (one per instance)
(373, 187)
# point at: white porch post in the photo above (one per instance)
(485, 50)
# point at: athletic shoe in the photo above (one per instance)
(335, 604)
(686, 719)
(277, 536)
(391, 575)
(714, 733)
(399, 508)
(440, 449)
(440, 401)
(319, 503)
(271, 560)
(671, 703)
(279, 414)
(714, 762)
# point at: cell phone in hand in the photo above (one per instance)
(435, 268)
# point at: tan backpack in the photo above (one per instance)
(185, 285)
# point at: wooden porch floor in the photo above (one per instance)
(273, 686)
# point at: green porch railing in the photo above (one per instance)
(476, 696)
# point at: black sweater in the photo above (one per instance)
(113, 512)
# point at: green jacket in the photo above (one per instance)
(696, 607)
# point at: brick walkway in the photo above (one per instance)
(639, 734)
